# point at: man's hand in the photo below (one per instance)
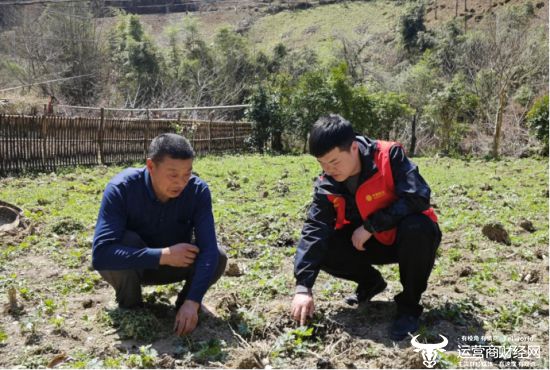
(179, 255)
(187, 318)
(302, 307)
(360, 237)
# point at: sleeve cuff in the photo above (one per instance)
(368, 226)
(154, 254)
(301, 289)
(195, 296)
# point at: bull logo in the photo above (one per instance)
(430, 351)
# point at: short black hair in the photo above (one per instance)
(329, 132)
(172, 145)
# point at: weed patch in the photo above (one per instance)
(138, 324)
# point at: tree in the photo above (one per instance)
(537, 118)
(505, 53)
(417, 84)
(135, 60)
(447, 48)
(449, 108)
(233, 67)
(311, 99)
(60, 41)
(267, 114)
(389, 110)
(220, 73)
(412, 30)
(70, 29)
(351, 101)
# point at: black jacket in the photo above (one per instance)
(413, 197)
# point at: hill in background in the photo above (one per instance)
(318, 26)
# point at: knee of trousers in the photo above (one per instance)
(417, 230)
(222, 263)
(121, 278)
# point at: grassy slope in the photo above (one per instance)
(316, 28)
(259, 204)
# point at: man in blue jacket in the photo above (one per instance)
(145, 226)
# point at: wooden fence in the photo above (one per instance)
(44, 143)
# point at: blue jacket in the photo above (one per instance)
(129, 203)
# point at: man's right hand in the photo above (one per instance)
(302, 307)
(179, 255)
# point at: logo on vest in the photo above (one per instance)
(374, 196)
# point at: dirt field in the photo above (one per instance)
(482, 292)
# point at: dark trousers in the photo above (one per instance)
(414, 250)
(128, 283)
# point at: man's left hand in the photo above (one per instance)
(360, 237)
(187, 318)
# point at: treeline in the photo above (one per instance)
(478, 92)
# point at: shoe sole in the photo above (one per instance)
(353, 301)
(380, 290)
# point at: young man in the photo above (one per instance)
(370, 207)
(144, 231)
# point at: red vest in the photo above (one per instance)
(375, 193)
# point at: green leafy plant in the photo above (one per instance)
(145, 359)
(138, 324)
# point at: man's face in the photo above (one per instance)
(169, 176)
(341, 164)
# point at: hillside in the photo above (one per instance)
(318, 26)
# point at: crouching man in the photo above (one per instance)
(144, 230)
(370, 207)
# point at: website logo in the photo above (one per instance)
(430, 351)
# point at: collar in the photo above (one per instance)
(367, 148)
(149, 185)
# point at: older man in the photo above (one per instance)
(145, 226)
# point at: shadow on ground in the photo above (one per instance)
(373, 321)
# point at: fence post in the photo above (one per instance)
(234, 123)
(43, 132)
(146, 134)
(100, 136)
(210, 118)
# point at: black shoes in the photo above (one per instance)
(364, 293)
(402, 326)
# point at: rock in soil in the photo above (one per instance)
(233, 269)
(486, 187)
(531, 277)
(87, 303)
(497, 233)
(527, 225)
(466, 271)
(166, 362)
(324, 363)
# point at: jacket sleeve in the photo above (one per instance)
(317, 229)
(108, 252)
(412, 191)
(207, 259)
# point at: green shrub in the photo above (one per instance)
(537, 118)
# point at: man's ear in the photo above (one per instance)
(150, 164)
(354, 146)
